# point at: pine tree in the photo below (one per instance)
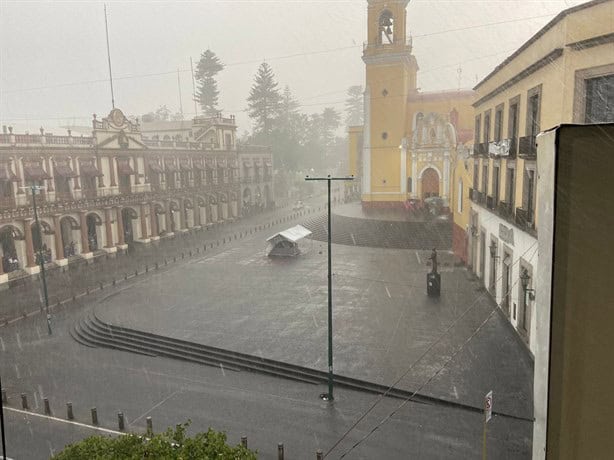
(354, 106)
(207, 93)
(264, 100)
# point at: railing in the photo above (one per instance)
(505, 210)
(490, 202)
(62, 196)
(29, 139)
(513, 147)
(527, 146)
(482, 198)
(181, 144)
(480, 149)
(524, 219)
(166, 143)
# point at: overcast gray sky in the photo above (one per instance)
(53, 65)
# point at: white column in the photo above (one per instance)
(366, 151)
(404, 167)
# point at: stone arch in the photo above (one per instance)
(68, 225)
(258, 196)
(128, 215)
(386, 27)
(12, 247)
(93, 221)
(429, 178)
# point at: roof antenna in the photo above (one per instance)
(106, 28)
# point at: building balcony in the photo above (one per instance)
(490, 202)
(480, 149)
(505, 210)
(525, 219)
(62, 196)
(527, 148)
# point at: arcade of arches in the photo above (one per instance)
(85, 232)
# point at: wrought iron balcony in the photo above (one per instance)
(525, 219)
(490, 202)
(505, 210)
(527, 148)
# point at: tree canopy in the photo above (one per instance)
(354, 106)
(264, 100)
(172, 444)
(207, 93)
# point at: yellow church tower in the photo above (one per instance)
(391, 72)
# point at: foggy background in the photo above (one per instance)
(53, 63)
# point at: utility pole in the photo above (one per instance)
(2, 422)
(41, 259)
(329, 396)
(106, 28)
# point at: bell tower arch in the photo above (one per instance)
(391, 72)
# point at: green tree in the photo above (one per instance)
(207, 93)
(264, 100)
(354, 106)
(170, 445)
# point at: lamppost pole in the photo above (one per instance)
(329, 396)
(2, 422)
(41, 259)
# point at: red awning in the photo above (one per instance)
(35, 172)
(155, 167)
(63, 170)
(124, 168)
(7, 175)
(90, 170)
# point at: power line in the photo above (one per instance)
(275, 58)
(428, 350)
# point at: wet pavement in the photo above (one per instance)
(233, 296)
(386, 329)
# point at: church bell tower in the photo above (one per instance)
(391, 72)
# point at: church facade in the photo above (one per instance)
(407, 146)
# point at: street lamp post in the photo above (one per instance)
(329, 396)
(2, 422)
(41, 259)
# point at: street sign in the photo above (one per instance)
(488, 406)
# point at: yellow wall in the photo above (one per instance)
(354, 142)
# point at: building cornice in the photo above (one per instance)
(544, 61)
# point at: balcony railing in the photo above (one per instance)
(490, 202)
(527, 147)
(480, 149)
(525, 219)
(505, 210)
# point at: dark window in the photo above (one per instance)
(475, 176)
(487, 127)
(498, 124)
(478, 122)
(533, 111)
(485, 178)
(600, 99)
(528, 193)
(495, 184)
(513, 121)
(510, 187)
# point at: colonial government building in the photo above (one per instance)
(118, 187)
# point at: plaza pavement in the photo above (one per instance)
(235, 297)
